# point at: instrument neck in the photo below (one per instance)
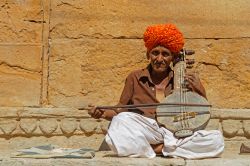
(179, 73)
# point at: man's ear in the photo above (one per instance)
(175, 58)
(147, 54)
(175, 54)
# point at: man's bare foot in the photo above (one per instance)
(158, 148)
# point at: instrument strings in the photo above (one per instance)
(187, 116)
(181, 96)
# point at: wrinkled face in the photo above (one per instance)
(160, 58)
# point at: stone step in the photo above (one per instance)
(109, 159)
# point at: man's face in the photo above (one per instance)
(160, 58)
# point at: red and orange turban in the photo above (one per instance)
(166, 35)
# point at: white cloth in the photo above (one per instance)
(131, 134)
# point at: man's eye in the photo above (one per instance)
(165, 54)
(155, 52)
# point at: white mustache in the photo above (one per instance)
(159, 63)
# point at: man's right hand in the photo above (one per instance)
(95, 112)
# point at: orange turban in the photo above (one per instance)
(166, 35)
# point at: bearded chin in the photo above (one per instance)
(160, 69)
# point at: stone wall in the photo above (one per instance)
(59, 55)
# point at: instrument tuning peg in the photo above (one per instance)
(189, 66)
(190, 61)
(181, 56)
(187, 52)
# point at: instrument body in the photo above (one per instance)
(183, 119)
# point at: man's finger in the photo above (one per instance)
(91, 105)
(102, 110)
(103, 116)
(189, 87)
(97, 114)
(190, 79)
(190, 75)
(92, 110)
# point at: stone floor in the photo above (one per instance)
(106, 158)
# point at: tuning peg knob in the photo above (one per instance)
(190, 61)
(189, 66)
(187, 52)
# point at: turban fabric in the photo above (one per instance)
(166, 35)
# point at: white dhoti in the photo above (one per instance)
(131, 134)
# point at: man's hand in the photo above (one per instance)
(95, 112)
(194, 83)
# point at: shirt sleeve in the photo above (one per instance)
(127, 92)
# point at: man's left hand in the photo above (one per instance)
(194, 83)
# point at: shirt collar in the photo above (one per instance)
(146, 73)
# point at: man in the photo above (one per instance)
(136, 133)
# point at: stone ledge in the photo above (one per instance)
(237, 114)
(28, 122)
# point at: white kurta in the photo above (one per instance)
(131, 134)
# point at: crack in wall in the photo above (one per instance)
(18, 68)
(110, 36)
(48, 53)
(64, 94)
(45, 51)
(9, 18)
(209, 64)
(36, 21)
(68, 4)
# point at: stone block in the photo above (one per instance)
(68, 126)
(28, 125)
(88, 126)
(128, 19)
(91, 71)
(104, 126)
(20, 75)
(213, 124)
(231, 127)
(48, 126)
(21, 21)
(7, 126)
(246, 128)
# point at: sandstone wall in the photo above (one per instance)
(69, 53)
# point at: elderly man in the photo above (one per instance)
(135, 133)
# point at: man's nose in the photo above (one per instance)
(160, 58)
